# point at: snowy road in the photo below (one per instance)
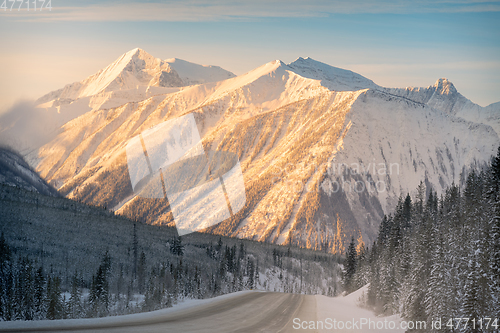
(243, 312)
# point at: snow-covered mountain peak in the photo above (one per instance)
(191, 73)
(134, 76)
(443, 96)
(333, 78)
(134, 68)
(259, 86)
(300, 59)
(134, 53)
(444, 87)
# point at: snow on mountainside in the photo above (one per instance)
(331, 77)
(138, 68)
(14, 171)
(133, 77)
(133, 69)
(266, 88)
(444, 96)
(416, 143)
(324, 151)
(191, 73)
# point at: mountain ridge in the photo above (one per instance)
(444, 96)
(15, 171)
(290, 133)
(145, 69)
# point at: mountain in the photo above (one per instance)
(14, 171)
(132, 74)
(324, 151)
(133, 77)
(444, 96)
(191, 74)
(331, 77)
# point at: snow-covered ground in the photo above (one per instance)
(349, 315)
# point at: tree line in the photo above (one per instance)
(437, 257)
(28, 291)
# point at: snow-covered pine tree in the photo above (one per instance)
(74, 305)
(39, 290)
(350, 266)
(99, 289)
(437, 293)
(5, 279)
(176, 246)
(494, 223)
(55, 306)
(362, 268)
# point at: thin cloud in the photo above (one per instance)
(25, 127)
(205, 11)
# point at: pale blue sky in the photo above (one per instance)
(394, 43)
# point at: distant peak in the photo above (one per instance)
(137, 53)
(275, 64)
(300, 59)
(442, 80)
(172, 60)
(134, 51)
(444, 86)
(309, 62)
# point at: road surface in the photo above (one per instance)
(243, 312)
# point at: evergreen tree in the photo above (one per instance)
(99, 289)
(5, 279)
(384, 231)
(39, 289)
(437, 291)
(495, 175)
(5, 252)
(362, 268)
(494, 225)
(141, 273)
(75, 299)
(407, 213)
(350, 266)
(55, 306)
(447, 263)
(176, 246)
(251, 274)
(23, 292)
(135, 249)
